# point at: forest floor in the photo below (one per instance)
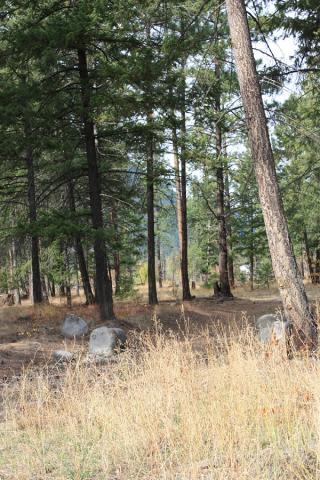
(29, 335)
(203, 401)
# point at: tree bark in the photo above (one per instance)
(103, 281)
(285, 268)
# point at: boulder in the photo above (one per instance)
(62, 356)
(271, 328)
(74, 326)
(104, 341)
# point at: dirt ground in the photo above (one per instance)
(29, 335)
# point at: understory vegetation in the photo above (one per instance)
(169, 408)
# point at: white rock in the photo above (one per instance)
(270, 327)
(74, 326)
(104, 341)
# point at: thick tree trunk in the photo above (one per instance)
(285, 268)
(32, 206)
(103, 281)
(80, 252)
(152, 286)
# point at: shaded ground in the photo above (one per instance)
(29, 335)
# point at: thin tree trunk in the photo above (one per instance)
(285, 268)
(229, 228)
(116, 254)
(251, 266)
(103, 281)
(181, 208)
(68, 282)
(225, 290)
(52, 288)
(152, 286)
(13, 268)
(309, 257)
(80, 252)
(186, 294)
(302, 261)
(32, 206)
(159, 260)
(317, 266)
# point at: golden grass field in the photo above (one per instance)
(180, 405)
(166, 411)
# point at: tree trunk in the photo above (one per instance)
(225, 290)
(251, 266)
(181, 204)
(103, 281)
(116, 254)
(309, 257)
(159, 260)
(52, 287)
(32, 206)
(229, 228)
(80, 252)
(186, 295)
(317, 266)
(285, 268)
(152, 286)
(14, 288)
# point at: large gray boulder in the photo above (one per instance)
(271, 328)
(105, 341)
(74, 326)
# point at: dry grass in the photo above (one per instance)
(166, 411)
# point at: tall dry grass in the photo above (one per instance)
(166, 411)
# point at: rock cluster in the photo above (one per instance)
(104, 341)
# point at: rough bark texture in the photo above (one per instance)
(152, 285)
(285, 268)
(103, 281)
